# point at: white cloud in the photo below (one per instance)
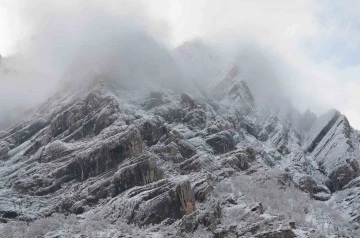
(285, 27)
(304, 34)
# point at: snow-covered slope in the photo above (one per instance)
(159, 161)
(333, 145)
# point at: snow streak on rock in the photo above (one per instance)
(181, 162)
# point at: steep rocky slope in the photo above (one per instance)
(177, 164)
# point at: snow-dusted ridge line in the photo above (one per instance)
(160, 162)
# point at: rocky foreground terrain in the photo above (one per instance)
(149, 161)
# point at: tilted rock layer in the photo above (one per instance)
(159, 157)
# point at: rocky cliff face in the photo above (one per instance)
(176, 164)
(330, 142)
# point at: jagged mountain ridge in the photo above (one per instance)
(155, 156)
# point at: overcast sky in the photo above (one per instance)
(317, 39)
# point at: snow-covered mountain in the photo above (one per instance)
(159, 160)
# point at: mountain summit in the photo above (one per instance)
(138, 147)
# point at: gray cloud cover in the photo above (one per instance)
(292, 43)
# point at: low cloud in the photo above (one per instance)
(282, 47)
(67, 41)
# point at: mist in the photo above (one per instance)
(132, 43)
(71, 43)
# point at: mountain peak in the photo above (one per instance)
(116, 148)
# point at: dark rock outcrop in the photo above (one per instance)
(323, 132)
(188, 101)
(286, 233)
(4, 149)
(203, 189)
(140, 173)
(331, 145)
(239, 159)
(152, 130)
(163, 200)
(221, 142)
(316, 191)
(343, 175)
